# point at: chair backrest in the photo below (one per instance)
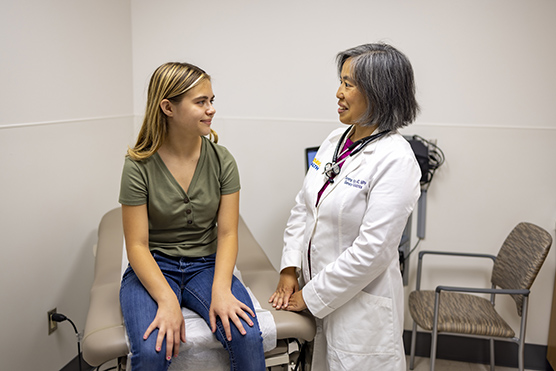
(520, 259)
(108, 261)
(251, 256)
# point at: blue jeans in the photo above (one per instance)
(191, 279)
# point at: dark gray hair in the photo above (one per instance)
(385, 77)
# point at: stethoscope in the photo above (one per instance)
(332, 169)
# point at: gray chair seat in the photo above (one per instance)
(459, 313)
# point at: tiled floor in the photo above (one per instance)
(423, 364)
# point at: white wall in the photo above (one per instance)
(65, 121)
(485, 82)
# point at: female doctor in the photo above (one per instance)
(343, 233)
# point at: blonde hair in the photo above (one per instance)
(169, 81)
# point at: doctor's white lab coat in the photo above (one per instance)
(352, 280)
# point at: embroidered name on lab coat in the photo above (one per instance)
(355, 183)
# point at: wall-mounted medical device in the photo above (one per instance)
(430, 157)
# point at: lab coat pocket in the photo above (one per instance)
(364, 325)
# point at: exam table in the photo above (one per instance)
(104, 338)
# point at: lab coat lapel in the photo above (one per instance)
(351, 164)
(326, 157)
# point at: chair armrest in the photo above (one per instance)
(483, 291)
(446, 253)
(300, 325)
(462, 254)
(104, 335)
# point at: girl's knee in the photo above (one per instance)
(252, 337)
(246, 351)
(145, 357)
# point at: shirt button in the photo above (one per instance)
(190, 222)
(188, 211)
(186, 200)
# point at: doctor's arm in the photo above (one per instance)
(393, 194)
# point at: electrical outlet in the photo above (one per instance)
(52, 325)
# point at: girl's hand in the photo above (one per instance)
(225, 305)
(287, 286)
(171, 325)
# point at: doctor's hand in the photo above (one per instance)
(296, 304)
(287, 286)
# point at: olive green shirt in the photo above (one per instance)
(181, 223)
